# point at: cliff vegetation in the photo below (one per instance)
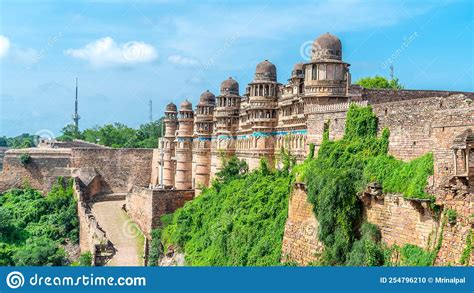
(339, 174)
(238, 221)
(34, 228)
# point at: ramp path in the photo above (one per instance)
(122, 231)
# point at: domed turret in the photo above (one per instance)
(186, 106)
(326, 76)
(327, 46)
(298, 66)
(298, 71)
(207, 98)
(265, 71)
(230, 86)
(171, 107)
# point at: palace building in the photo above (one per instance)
(268, 116)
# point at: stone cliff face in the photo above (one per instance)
(401, 221)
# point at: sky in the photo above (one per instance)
(125, 53)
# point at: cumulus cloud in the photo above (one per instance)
(106, 52)
(183, 61)
(4, 46)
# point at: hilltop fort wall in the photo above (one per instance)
(145, 206)
(118, 170)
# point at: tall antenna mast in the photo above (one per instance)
(150, 109)
(75, 116)
(391, 71)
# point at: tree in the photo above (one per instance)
(24, 140)
(148, 134)
(85, 259)
(40, 251)
(379, 82)
(33, 227)
(69, 133)
(232, 169)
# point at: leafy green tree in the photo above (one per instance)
(85, 259)
(33, 227)
(367, 251)
(239, 224)
(3, 141)
(232, 168)
(148, 134)
(379, 82)
(69, 133)
(288, 160)
(24, 140)
(40, 251)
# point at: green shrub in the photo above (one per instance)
(40, 251)
(367, 251)
(451, 216)
(157, 247)
(34, 226)
(25, 158)
(341, 170)
(412, 255)
(236, 223)
(400, 177)
(85, 259)
(311, 151)
(232, 168)
(466, 253)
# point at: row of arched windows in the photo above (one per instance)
(327, 71)
(224, 101)
(263, 90)
(187, 114)
(205, 110)
(297, 141)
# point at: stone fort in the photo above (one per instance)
(257, 123)
(269, 116)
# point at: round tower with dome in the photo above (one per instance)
(203, 129)
(259, 117)
(171, 124)
(184, 138)
(226, 123)
(326, 76)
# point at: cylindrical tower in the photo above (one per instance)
(226, 123)
(291, 130)
(203, 127)
(326, 75)
(262, 113)
(171, 122)
(184, 138)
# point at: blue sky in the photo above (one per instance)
(125, 53)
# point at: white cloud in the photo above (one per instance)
(183, 61)
(4, 46)
(20, 55)
(106, 52)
